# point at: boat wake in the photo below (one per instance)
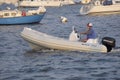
(116, 50)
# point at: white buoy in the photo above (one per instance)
(63, 19)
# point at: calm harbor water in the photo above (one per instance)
(19, 62)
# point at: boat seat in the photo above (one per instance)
(95, 41)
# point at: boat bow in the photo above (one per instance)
(85, 9)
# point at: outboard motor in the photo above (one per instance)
(109, 43)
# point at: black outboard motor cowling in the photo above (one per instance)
(109, 43)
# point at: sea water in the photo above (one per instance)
(19, 62)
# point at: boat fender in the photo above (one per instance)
(97, 3)
(109, 43)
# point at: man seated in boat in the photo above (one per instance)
(90, 33)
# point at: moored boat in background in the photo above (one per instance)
(36, 3)
(21, 17)
(98, 6)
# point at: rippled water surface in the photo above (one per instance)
(19, 62)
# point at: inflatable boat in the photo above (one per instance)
(38, 40)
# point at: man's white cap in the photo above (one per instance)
(90, 24)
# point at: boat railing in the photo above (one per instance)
(105, 2)
(66, 2)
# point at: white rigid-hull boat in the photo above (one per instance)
(96, 6)
(38, 40)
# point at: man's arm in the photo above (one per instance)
(86, 32)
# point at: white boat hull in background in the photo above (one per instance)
(36, 3)
(99, 8)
